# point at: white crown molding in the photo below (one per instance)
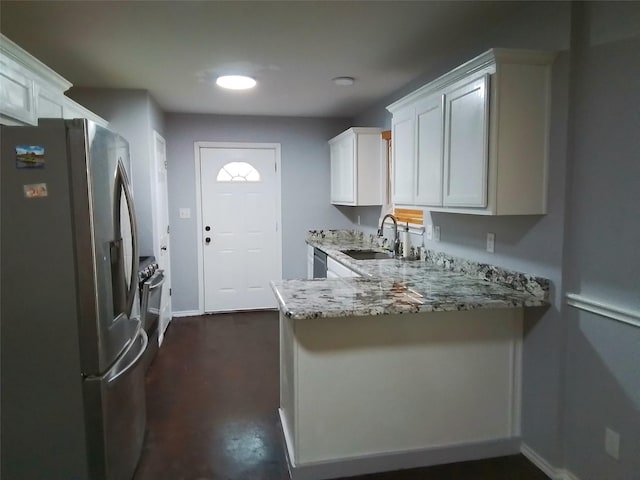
(484, 63)
(25, 59)
(599, 307)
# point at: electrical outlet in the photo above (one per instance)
(612, 443)
(185, 213)
(491, 242)
(429, 232)
(436, 233)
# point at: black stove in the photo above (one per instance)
(150, 280)
(146, 269)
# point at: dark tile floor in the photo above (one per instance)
(212, 399)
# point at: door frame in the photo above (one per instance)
(166, 288)
(198, 188)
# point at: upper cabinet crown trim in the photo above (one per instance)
(485, 62)
(30, 90)
(19, 55)
(356, 131)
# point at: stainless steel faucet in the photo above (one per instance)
(396, 240)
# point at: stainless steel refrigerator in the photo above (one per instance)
(72, 382)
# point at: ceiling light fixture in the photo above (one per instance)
(344, 81)
(235, 82)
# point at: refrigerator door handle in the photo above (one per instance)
(133, 282)
(119, 369)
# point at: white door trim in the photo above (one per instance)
(157, 229)
(197, 147)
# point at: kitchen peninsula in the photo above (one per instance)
(412, 363)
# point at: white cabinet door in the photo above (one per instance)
(402, 144)
(48, 104)
(429, 130)
(342, 171)
(466, 144)
(336, 269)
(16, 92)
(356, 167)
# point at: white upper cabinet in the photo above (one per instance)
(476, 139)
(357, 167)
(402, 147)
(417, 152)
(30, 90)
(429, 131)
(466, 144)
(342, 170)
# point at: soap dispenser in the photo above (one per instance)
(405, 242)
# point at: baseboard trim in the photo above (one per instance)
(366, 464)
(186, 313)
(195, 313)
(549, 470)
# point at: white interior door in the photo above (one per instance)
(161, 237)
(241, 242)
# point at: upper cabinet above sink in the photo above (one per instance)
(476, 139)
(356, 167)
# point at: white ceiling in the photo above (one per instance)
(293, 48)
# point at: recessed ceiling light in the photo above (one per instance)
(344, 81)
(235, 82)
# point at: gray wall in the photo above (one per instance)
(133, 114)
(580, 370)
(602, 254)
(530, 244)
(304, 177)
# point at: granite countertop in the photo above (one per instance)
(434, 283)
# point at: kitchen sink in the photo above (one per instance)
(368, 254)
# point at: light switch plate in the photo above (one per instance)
(436, 233)
(612, 443)
(185, 213)
(429, 232)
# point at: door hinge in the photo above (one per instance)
(169, 292)
(168, 228)
(275, 167)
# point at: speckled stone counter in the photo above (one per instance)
(435, 282)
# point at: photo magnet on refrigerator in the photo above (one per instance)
(29, 156)
(35, 190)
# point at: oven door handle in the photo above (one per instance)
(159, 280)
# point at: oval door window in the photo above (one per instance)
(238, 172)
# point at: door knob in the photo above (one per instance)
(207, 228)
(207, 240)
